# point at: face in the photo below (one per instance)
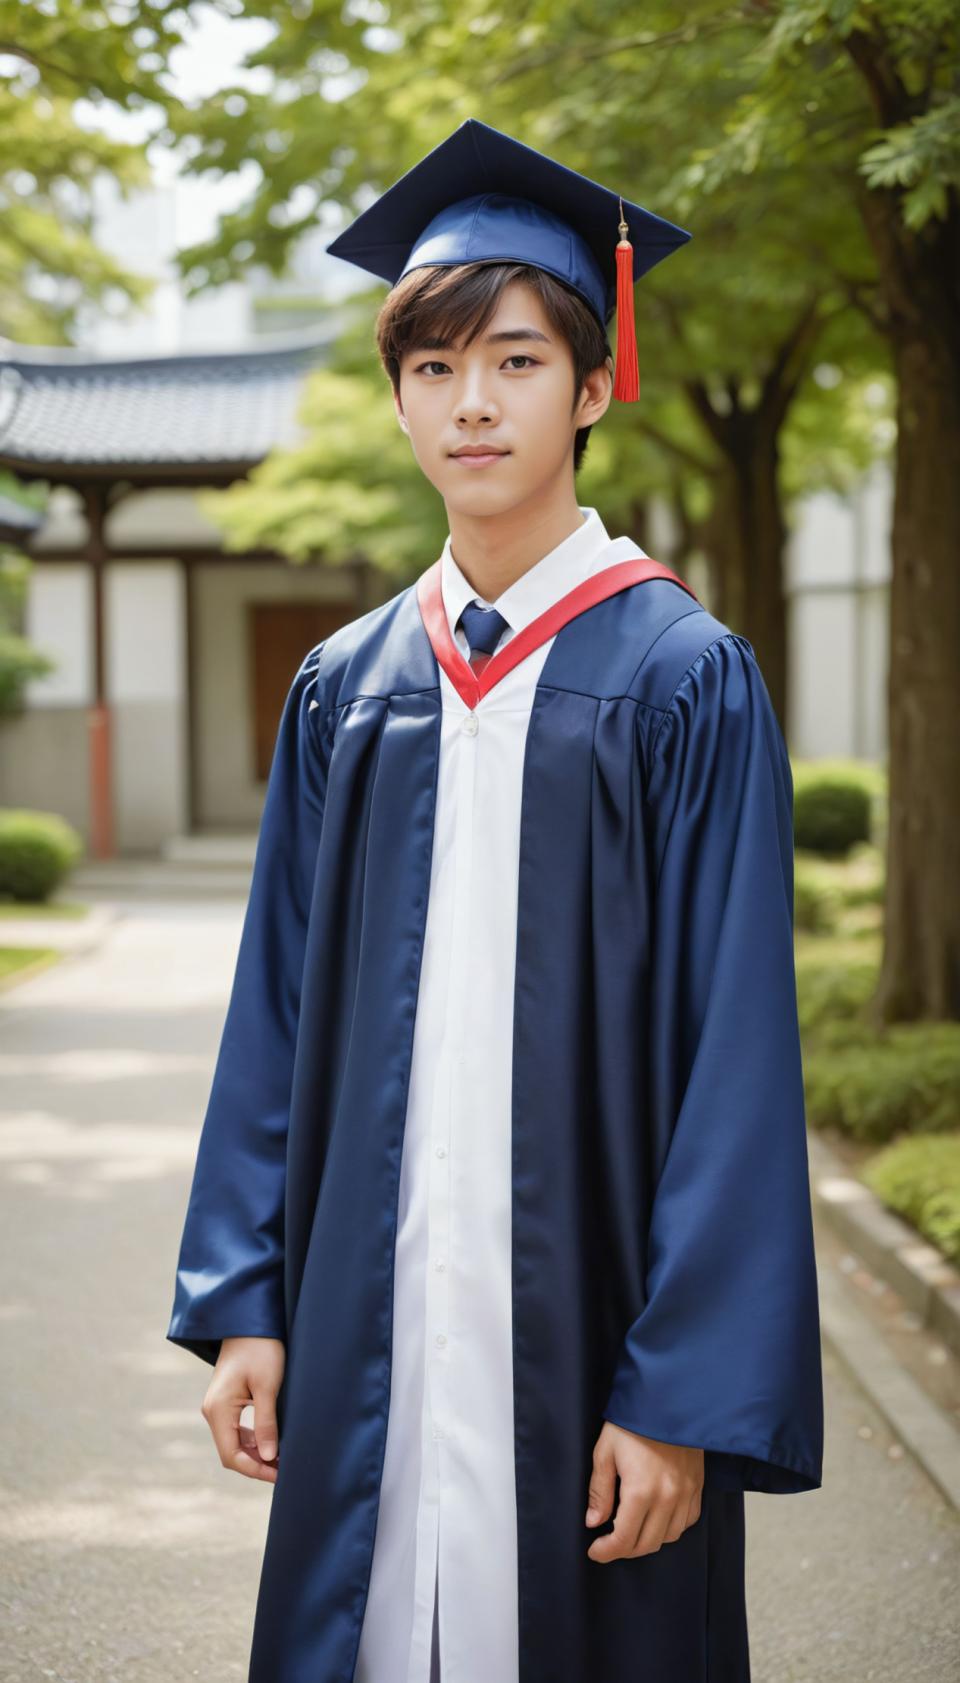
(512, 391)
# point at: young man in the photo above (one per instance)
(501, 1205)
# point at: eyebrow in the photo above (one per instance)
(506, 335)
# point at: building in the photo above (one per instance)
(173, 657)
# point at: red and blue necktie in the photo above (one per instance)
(483, 628)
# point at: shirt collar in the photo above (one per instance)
(553, 576)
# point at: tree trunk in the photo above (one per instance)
(919, 282)
(920, 974)
(745, 534)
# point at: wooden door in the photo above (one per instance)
(280, 635)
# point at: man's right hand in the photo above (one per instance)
(248, 1370)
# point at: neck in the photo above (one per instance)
(493, 551)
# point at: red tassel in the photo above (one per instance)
(626, 381)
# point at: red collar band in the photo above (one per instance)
(472, 686)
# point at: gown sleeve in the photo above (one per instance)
(725, 1354)
(229, 1279)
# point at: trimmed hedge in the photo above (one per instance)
(836, 804)
(833, 995)
(920, 1179)
(897, 1088)
(858, 879)
(906, 1080)
(37, 849)
(816, 903)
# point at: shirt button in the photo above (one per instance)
(471, 725)
(440, 1266)
(441, 1151)
(437, 1432)
(441, 1338)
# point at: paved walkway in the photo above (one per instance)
(127, 1553)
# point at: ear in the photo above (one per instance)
(399, 409)
(597, 393)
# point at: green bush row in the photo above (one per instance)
(37, 849)
(906, 1080)
(871, 1084)
(825, 891)
(834, 811)
(920, 1179)
(836, 805)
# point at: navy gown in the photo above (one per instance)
(662, 1244)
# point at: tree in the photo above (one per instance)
(351, 487)
(899, 61)
(51, 57)
(736, 337)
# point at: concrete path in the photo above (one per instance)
(127, 1553)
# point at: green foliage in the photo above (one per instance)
(37, 849)
(52, 56)
(843, 418)
(833, 996)
(816, 903)
(919, 1178)
(772, 275)
(352, 487)
(898, 61)
(845, 885)
(900, 1083)
(832, 807)
(19, 659)
(906, 1080)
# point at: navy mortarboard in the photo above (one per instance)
(482, 197)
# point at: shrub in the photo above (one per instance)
(816, 901)
(37, 850)
(832, 811)
(833, 996)
(906, 1080)
(920, 1179)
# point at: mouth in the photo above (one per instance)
(479, 458)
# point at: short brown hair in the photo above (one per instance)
(443, 301)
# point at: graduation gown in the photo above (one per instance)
(662, 1247)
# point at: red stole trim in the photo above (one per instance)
(473, 686)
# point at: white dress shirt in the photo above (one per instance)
(447, 1524)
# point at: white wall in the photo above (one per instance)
(58, 618)
(837, 580)
(146, 681)
(145, 684)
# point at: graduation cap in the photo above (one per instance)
(481, 196)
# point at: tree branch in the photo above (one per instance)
(783, 377)
(870, 52)
(716, 425)
(678, 452)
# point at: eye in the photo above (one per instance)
(518, 356)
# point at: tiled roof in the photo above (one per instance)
(64, 408)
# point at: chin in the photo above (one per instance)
(482, 499)
(481, 487)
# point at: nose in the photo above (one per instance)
(473, 404)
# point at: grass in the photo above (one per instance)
(43, 908)
(16, 961)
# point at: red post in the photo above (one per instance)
(101, 793)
